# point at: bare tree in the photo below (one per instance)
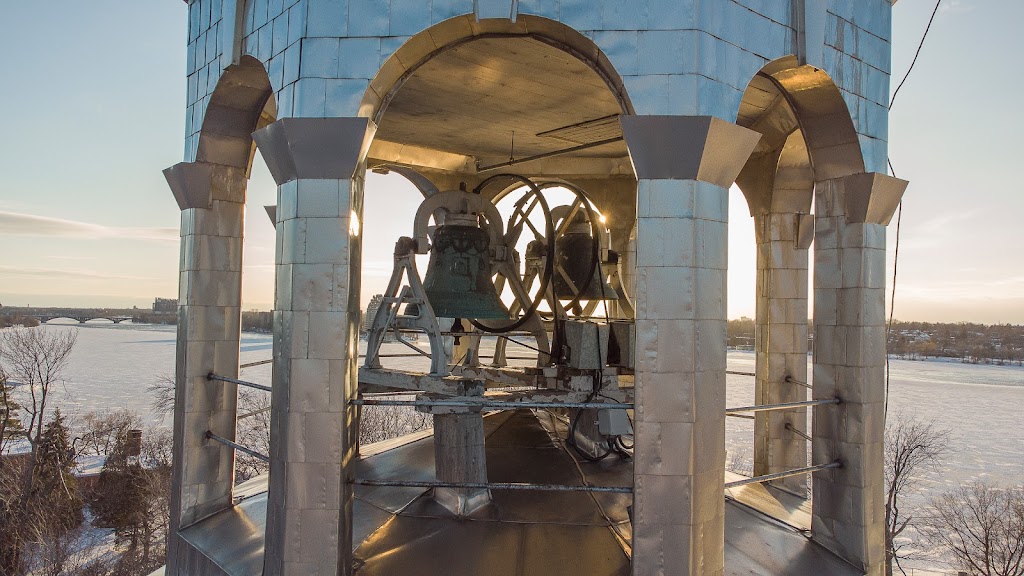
(10, 424)
(100, 431)
(983, 526)
(252, 431)
(912, 447)
(378, 423)
(36, 358)
(162, 391)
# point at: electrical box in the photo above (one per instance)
(614, 422)
(587, 345)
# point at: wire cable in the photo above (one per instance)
(899, 210)
(892, 298)
(916, 54)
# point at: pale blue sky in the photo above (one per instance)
(94, 99)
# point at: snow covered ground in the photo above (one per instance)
(113, 366)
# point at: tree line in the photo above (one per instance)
(965, 341)
(1001, 344)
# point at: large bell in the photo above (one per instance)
(574, 253)
(458, 280)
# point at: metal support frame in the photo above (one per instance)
(783, 406)
(522, 486)
(237, 446)
(786, 474)
(214, 377)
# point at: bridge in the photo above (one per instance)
(83, 315)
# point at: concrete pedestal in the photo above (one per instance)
(459, 456)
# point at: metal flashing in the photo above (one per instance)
(190, 183)
(872, 197)
(314, 148)
(701, 148)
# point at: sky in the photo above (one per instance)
(95, 96)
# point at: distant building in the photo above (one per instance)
(371, 311)
(165, 306)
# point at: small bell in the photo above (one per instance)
(458, 280)
(574, 253)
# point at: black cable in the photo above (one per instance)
(899, 214)
(508, 338)
(892, 300)
(916, 54)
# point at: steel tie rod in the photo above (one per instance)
(237, 446)
(783, 406)
(259, 363)
(212, 376)
(735, 373)
(524, 486)
(507, 404)
(799, 433)
(786, 474)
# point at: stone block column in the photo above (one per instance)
(851, 214)
(319, 165)
(780, 339)
(684, 166)
(212, 202)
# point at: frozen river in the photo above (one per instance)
(113, 365)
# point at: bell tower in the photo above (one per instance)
(574, 161)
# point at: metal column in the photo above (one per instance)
(212, 199)
(318, 164)
(684, 166)
(781, 343)
(849, 362)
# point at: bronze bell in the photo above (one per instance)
(458, 279)
(574, 253)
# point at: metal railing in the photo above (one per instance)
(237, 446)
(782, 406)
(493, 404)
(214, 377)
(523, 486)
(735, 373)
(781, 475)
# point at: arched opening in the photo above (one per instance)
(213, 223)
(242, 102)
(807, 136)
(461, 99)
(461, 102)
(456, 105)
